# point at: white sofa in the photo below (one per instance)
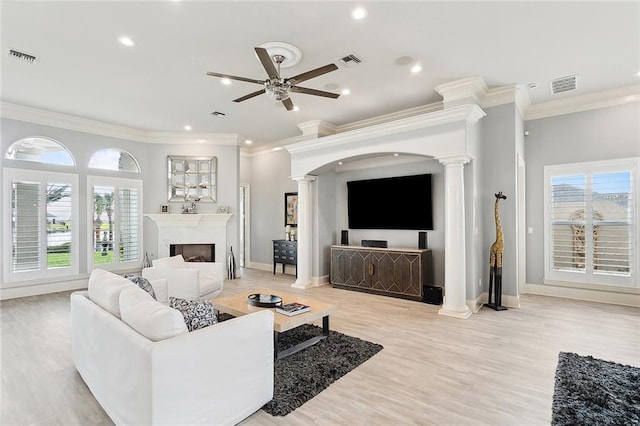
(188, 280)
(216, 375)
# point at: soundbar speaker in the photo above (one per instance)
(422, 240)
(344, 238)
(374, 243)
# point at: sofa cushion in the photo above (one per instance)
(149, 317)
(161, 289)
(105, 288)
(197, 314)
(143, 283)
(170, 262)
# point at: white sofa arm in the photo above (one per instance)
(181, 282)
(223, 372)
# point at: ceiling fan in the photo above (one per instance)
(279, 88)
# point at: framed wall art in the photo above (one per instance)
(291, 209)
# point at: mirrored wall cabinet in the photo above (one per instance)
(191, 179)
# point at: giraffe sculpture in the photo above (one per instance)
(495, 260)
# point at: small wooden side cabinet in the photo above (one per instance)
(285, 252)
(390, 272)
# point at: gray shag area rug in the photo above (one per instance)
(590, 391)
(303, 375)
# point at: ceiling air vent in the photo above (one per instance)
(22, 56)
(350, 60)
(564, 84)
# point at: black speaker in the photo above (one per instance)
(344, 238)
(374, 243)
(422, 240)
(432, 294)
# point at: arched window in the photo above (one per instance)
(40, 150)
(114, 159)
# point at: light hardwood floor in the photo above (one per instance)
(496, 368)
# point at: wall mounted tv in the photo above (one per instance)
(402, 202)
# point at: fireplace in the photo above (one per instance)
(194, 252)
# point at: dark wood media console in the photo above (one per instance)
(385, 271)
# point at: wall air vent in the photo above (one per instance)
(22, 56)
(350, 60)
(218, 114)
(564, 84)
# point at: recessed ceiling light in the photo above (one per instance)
(396, 154)
(225, 81)
(339, 163)
(277, 148)
(296, 108)
(359, 13)
(638, 73)
(126, 41)
(416, 68)
(248, 141)
(533, 85)
(187, 127)
(346, 92)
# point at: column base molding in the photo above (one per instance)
(462, 312)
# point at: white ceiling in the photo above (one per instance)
(160, 84)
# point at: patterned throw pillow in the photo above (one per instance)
(143, 283)
(197, 314)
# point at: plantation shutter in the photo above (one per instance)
(26, 232)
(116, 218)
(40, 223)
(592, 223)
(129, 230)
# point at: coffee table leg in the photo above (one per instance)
(276, 345)
(278, 354)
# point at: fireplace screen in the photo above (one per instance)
(194, 252)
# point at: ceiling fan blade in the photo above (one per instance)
(267, 62)
(249, 96)
(310, 74)
(288, 104)
(233, 77)
(314, 92)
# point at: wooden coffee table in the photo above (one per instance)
(238, 305)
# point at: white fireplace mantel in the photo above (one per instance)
(164, 219)
(203, 228)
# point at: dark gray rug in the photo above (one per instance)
(303, 375)
(590, 391)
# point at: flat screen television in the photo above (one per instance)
(402, 202)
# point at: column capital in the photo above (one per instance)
(454, 159)
(304, 178)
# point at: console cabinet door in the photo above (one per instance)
(391, 273)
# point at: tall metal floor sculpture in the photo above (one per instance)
(495, 261)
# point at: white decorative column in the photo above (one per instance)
(455, 282)
(305, 232)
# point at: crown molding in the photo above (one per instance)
(86, 125)
(607, 98)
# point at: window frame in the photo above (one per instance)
(117, 183)
(41, 177)
(589, 279)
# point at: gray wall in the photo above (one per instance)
(270, 179)
(601, 134)
(497, 163)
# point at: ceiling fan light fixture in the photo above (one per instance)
(277, 90)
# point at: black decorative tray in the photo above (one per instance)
(264, 300)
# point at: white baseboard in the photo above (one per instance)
(44, 288)
(508, 301)
(615, 298)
